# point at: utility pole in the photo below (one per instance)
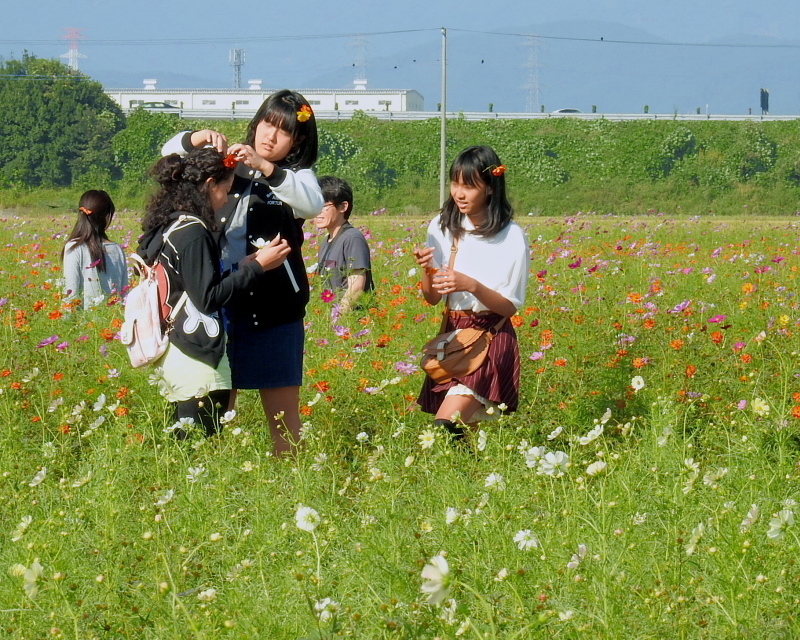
(443, 142)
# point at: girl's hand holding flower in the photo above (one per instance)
(245, 153)
(448, 281)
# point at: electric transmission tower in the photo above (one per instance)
(531, 87)
(360, 44)
(237, 62)
(73, 55)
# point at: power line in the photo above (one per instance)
(279, 38)
(603, 40)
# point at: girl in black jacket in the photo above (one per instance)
(179, 232)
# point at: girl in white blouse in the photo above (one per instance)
(94, 267)
(486, 284)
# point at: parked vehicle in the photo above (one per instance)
(158, 106)
(566, 111)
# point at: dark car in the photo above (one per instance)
(158, 106)
(566, 111)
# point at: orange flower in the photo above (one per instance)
(107, 334)
(560, 362)
(39, 305)
(747, 358)
(677, 344)
(121, 412)
(305, 113)
(796, 411)
(748, 287)
(796, 396)
(634, 297)
(36, 419)
(639, 363)
(517, 321)
(5, 373)
(306, 410)
(323, 386)
(123, 391)
(691, 370)
(717, 337)
(16, 386)
(58, 376)
(55, 315)
(116, 323)
(64, 428)
(649, 323)
(397, 289)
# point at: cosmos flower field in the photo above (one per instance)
(647, 488)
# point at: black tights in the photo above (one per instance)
(205, 411)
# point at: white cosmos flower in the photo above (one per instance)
(427, 439)
(760, 407)
(637, 383)
(526, 539)
(326, 608)
(101, 402)
(750, 519)
(595, 468)
(307, 518)
(495, 481)
(554, 464)
(22, 527)
(606, 416)
(437, 574)
(78, 483)
(362, 437)
(228, 417)
(31, 578)
(697, 533)
(207, 595)
(593, 435)
(166, 498)
(780, 521)
(555, 433)
(38, 478)
(195, 473)
(259, 243)
(482, 437)
(533, 455)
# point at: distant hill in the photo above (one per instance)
(488, 68)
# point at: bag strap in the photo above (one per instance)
(451, 264)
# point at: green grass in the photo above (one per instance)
(131, 547)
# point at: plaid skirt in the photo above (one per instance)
(497, 379)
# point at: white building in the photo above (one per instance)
(357, 98)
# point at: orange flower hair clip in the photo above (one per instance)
(497, 171)
(305, 113)
(230, 161)
(88, 212)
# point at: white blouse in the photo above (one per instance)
(501, 263)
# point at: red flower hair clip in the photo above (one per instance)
(230, 161)
(88, 212)
(497, 171)
(305, 113)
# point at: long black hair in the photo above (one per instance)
(184, 187)
(281, 110)
(95, 212)
(475, 166)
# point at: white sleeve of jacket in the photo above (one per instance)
(175, 145)
(301, 191)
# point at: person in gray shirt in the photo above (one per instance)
(94, 267)
(344, 261)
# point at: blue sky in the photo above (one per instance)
(110, 26)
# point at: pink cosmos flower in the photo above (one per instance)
(717, 318)
(328, 295)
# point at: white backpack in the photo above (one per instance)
(148, 317)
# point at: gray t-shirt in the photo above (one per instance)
(83, 280)
(339, 257)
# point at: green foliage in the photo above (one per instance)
(56, 126)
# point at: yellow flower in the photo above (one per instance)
(305, 113)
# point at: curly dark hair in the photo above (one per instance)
(184, 187)
(474, 166)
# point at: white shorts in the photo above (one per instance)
(187, 378)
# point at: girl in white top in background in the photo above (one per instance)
(94, 267)
(488, 283)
